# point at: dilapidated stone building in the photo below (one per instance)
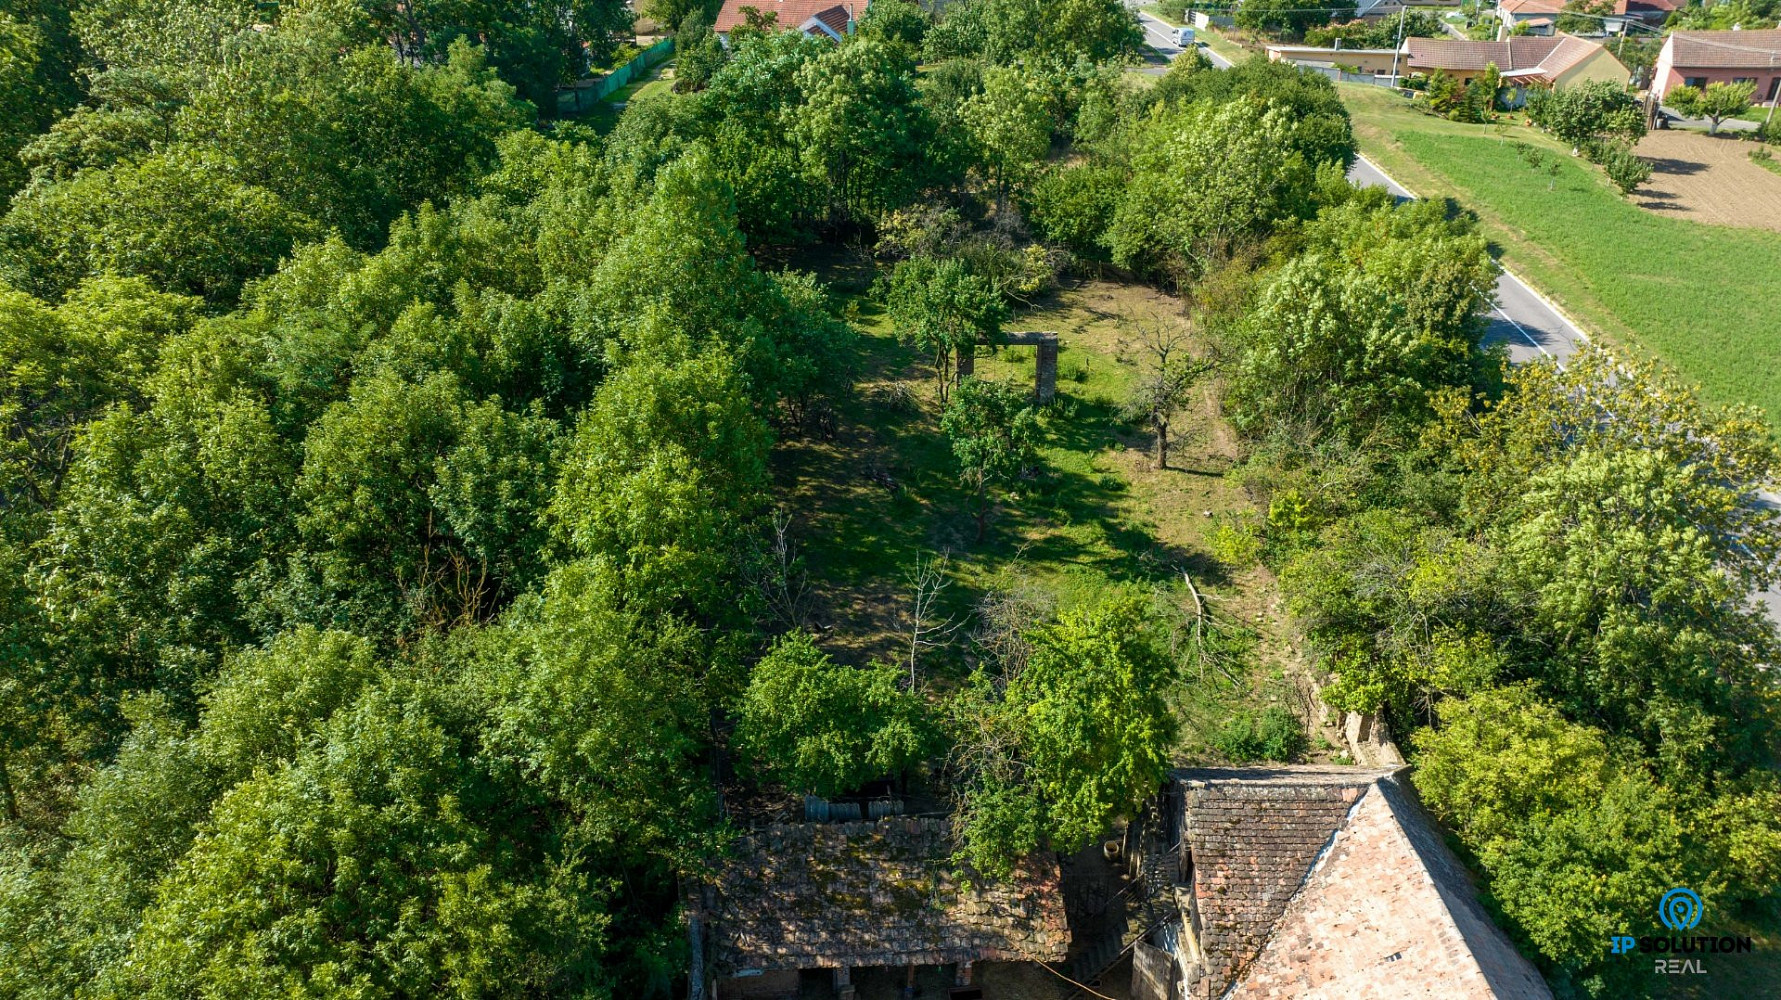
(881, 895)
(1318, 883)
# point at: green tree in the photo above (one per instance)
(1584, 17)
(902, 21)
(940, 306)
(1288, 17)
(1074, 206)
(1206, 178)
(1716, 103)
(1363, 331)
(862, 129)
(177, 220)
(1586, 113)
(822, 728)
(1624, 168)
(698, 54)
(1079, 736)
(992, 427)
(1620, 502)
(1576, 840)
(667, 466)
(1011, 125)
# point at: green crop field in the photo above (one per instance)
(1688, 292)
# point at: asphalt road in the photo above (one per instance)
(1523, 321)
(1161, 37)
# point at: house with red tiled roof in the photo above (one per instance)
(818, 18)
(1522, 60)
(1697, 58)
(1541, 15)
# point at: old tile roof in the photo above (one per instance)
(1752, 49)
(1253, 834)
(1330, 882)
(789, 14)
(885, 893)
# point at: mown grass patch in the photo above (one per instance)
(1678, 289)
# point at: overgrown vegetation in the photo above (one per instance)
(413, 535)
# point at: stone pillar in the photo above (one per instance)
(1045, 378)
(844, 983)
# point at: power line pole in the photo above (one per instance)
(1399, 51)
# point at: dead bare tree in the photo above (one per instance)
(777, 573)
(928, 580)
(1004, 620)
(1202, 637)
(1168, 372)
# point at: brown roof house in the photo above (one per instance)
(819, 18)
(1524, 61)
(1541, 15)
(1320, 883)
(1699, 58)
(883, 896)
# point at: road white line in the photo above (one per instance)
(1518, 329)
(1563, 317)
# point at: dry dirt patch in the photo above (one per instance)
(1708, 179)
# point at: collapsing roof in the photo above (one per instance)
(1330, 882)
(886, 893)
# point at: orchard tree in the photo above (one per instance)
(824, 728)
(1716, 103)
(1076, 738)
(992, 427)
(1165, 383)
(1586, 113)
(939, 305)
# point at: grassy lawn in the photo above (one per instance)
(1094, 519)
(1158, 13)
(1769, 162)
(1224, 45)
(1678, 289)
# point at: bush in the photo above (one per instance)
(1272, 735)
(1626, 170)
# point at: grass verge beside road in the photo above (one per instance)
(1678, 289)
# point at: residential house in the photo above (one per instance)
(853, 901)
(1374, 61)
(1319, 883)
(1523, 61)
(1542, 15)
(1375, 10)
(1697, 58)
(819, 18)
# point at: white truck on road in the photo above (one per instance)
(1184, 38)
